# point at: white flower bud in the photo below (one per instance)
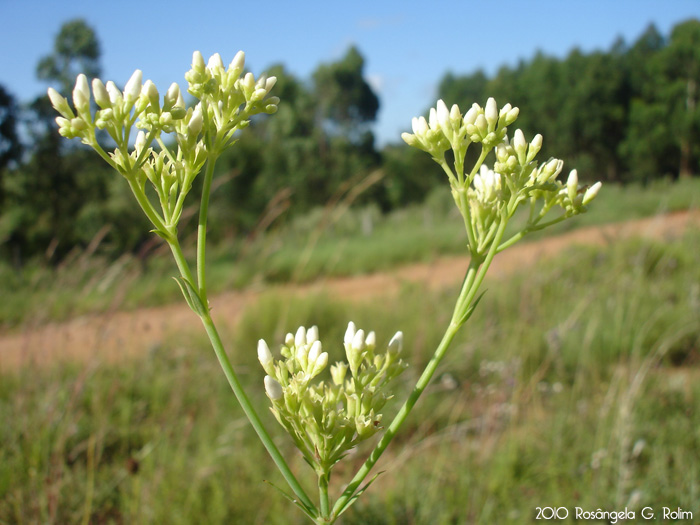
(349, 333)
(270, 83)
(100, 93)
(320, 363)
(455, 116)
(81, 94)
(371, 339)
(238, 62)
(443, 117)
(316, 349)
(273, 388)
(481, 125)
(215, 62)
(534, 148)
(519, 145)
(150, 91)
(572, 185)
(300, 337)
(264, 354)
(248, 83)
(409, 139)
(115, 96)
(420, 126)
(197, 61)
(358, 342)
(491, 113)
(433, 119)
(511, 116)
(312, 334)
(396, 343)
(196, 121)
(171, 96)
(289, 340)
(591, 193)
(470, 116)
(133, 86)
(60, 103)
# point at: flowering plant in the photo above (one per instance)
(325, 419)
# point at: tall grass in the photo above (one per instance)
(576, 383)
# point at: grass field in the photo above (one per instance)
(576, 383)
(321, 243)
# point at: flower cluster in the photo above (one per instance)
(488, 197)
(327, 418)
(226, 102)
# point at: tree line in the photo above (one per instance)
(622, 115)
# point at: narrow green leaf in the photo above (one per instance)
(471, 308)
(359, 492)
(191, 296)
(311, 513)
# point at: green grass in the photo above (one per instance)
(306, 248)
(576, 383)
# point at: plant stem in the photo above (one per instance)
(237, 388)
(472, 281)
(323, 481)
(202, 229)
(251, 413)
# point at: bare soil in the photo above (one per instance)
(116, 336)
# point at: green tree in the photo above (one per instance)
(346, 101)
(10, 147)
(76, 50)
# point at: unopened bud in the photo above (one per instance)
(238, 62)
(197, 61)
(349, 333)
(215, 62)
(396, 343)
(443, 117)
(572, 185)
(196, 121)
(133, 86)
(273, 388)
(491, 114)
(81, 94)
(534, 148)
(115, 96)
(264, 355)
(591, 193)
(150, 91)
(60, 104)
(100, 93)
(358, 342)
(316, 349)
(470, 116)
(300, 337)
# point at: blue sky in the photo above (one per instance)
(408, 46)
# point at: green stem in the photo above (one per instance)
(146, 206)
(251, 413)
(238, 389)
(202, 228)
(529, 229)
(475, 276)
(323, 481)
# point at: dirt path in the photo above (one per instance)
(121, 335)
